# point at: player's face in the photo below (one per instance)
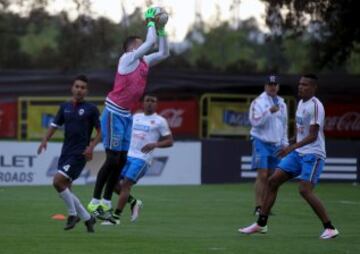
(306, 88)
(79, 90)
(272, 89)
(150, 103)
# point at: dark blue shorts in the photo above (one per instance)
(71, 165)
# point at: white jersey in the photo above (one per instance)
(146, 129)
(310, 112)
(266, 126)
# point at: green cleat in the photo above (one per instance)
(92, 207)
(105, 207)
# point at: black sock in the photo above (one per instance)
(101, 179)
(118, 212)
(328, 225)
(131, 200)
(258, 207)
(262, 220)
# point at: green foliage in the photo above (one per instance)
(333, 22)
(41, 40)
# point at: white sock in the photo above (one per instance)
(107, 202)
(95, 201)
(80, 209)
(67, 196)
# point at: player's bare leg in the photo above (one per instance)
(306, 191)
(275, 181)
(260, 188)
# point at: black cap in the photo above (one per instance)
(272, 79)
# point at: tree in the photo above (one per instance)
(334, 22)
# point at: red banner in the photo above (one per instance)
(342, 120)
(182, 116)
(8, 119)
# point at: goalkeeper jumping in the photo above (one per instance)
(116, 118)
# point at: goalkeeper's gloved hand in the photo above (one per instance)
(150, 17)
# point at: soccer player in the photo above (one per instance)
(79, 119)
(303, 159)
(116, 119)
(268, 118)
(149, 131)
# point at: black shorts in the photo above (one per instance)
(71, 165)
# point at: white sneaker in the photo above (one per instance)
(135, 210)
(253, 228)
(329, 233)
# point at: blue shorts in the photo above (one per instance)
(264, 155)
(134, 169)
(307, 167)
(115, 130)
(71, 165)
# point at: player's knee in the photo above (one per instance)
(117, 188)
(304, 192)
(58, 184)
(126, 185)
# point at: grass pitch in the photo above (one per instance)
(181, 219)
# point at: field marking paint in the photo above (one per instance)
(217, 248)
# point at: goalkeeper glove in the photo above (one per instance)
(150, 16)
(161, 31)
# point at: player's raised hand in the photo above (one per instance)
(149, 15)
(42, 146)
(148, 147)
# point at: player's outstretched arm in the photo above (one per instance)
(163, 51)
(150, 40)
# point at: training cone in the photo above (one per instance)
(58, 217)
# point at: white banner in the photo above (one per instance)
(20, 165)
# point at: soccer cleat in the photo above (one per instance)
(71, 222)
(90, 224)
(92, 207)
(329, 233)
(114, 219)
(105, 207)
(103, 215)
(253, 228)
(135, 210)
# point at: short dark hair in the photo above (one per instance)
(128, 41)
(82, 77)
(149, 95)
(310, 76)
